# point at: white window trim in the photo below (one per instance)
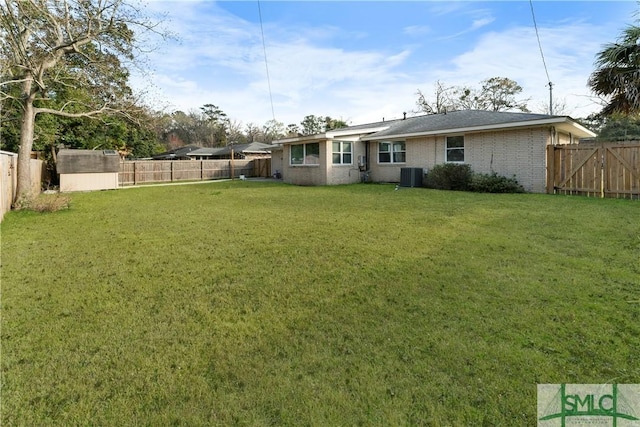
(342, 153)
(446, 149)
(391, 162)
(304, 156)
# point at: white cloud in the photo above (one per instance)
(479, 23)
(416, 30)
(480, 18)
(220, 60)
(308, 76)
(514, 53)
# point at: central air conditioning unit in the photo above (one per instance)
(411, 177)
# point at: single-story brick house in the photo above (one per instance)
(508, 143)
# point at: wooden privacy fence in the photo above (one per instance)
(594, 170)
(9, 181)
(8, 169)
(152, 171)
(262, 167)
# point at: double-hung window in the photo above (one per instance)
(392, 152)
(342, 153)
(455, 149)
(305, 154)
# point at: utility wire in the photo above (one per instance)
(266, 63)
(544, 63)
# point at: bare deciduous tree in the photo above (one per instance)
(495, 94)
(442, 101)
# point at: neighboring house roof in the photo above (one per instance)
(250, 148)
(176, 153)
(449, 123)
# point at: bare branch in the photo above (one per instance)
(102, 110)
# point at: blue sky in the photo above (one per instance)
(364, 61)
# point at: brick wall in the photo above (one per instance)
(304, 174)
(344, 174)
(520, 153)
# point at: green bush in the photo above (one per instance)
(494, 183)
(460, 177)
(449, 176)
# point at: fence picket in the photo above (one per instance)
(606, 170)
(134, 172)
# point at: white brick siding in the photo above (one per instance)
(345, 174)
(304, 174)
(325, 173)
(520, 153)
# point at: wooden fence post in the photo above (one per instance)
(603, 171)
(232, 161)
(551, 168)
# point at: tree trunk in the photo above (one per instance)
(24, 190)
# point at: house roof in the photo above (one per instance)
(176, 153)
(475, 121)
(250, 148)
(448, 123)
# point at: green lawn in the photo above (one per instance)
(246, 303)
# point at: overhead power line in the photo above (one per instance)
(544, 63)
(266, 63)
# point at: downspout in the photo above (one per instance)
(367, 154)
(366, 174)
(549, 163)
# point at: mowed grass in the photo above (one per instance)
(246, 303)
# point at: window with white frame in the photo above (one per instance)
(305, 154)
(342, 153)
(455, 149)
(392, 152)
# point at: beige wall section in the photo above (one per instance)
(277, 161)
(304, 174)
(421, 152)
(325, 173)
(88, 181)
(512, 152)
(344, 174)
(564, 138)
(519, 153)
(383, 172)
